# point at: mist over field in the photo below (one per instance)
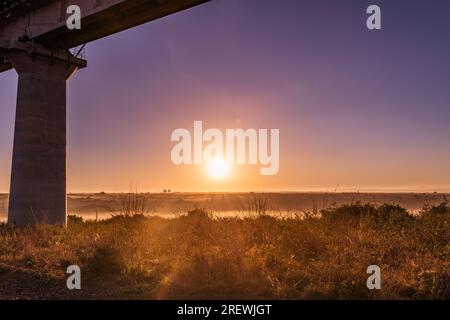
(173, 204)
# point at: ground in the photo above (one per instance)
(320, 255)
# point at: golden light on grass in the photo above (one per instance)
(218, 168)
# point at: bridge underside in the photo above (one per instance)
(44, 21)
(122, 16)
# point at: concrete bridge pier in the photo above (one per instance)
(38, 178)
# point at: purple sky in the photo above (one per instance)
(367, 110)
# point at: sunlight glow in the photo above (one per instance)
(218, 168)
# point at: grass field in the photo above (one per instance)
(322, 254)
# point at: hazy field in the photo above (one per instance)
(321, 255)
(230, 204)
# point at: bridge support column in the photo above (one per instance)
(38, 178)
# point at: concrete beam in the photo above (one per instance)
(102, 22)
(35, 49)
(19, 9)
(100, 18)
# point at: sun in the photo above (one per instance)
(218, 168)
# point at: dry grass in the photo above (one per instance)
(199, 257)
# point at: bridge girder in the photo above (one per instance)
(44, 21)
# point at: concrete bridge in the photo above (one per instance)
(35, 41)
